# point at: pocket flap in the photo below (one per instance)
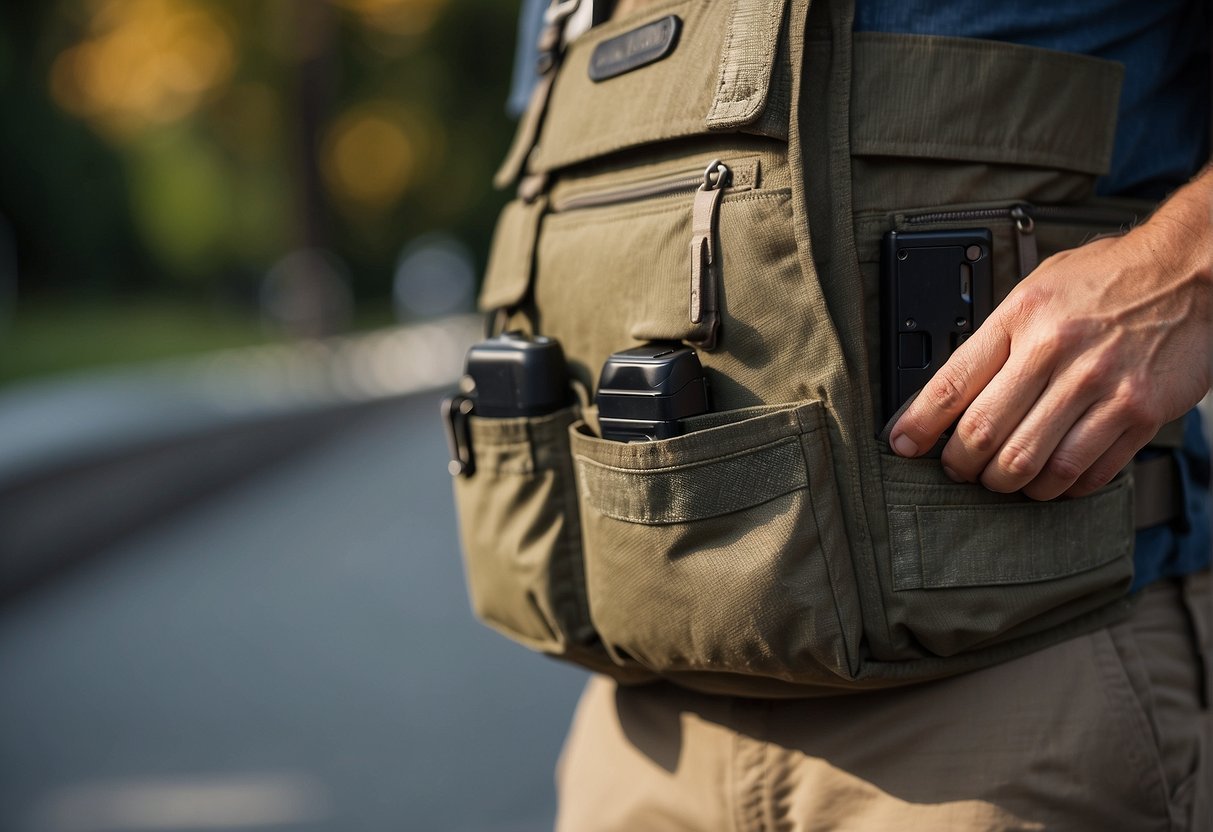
(717, 76)
(936, 546)
(512, 255)
(699, 475)
(1035, 106)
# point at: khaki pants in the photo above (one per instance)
(1108, 731)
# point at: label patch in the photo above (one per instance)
(632, 50)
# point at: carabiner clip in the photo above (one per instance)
(455, 412)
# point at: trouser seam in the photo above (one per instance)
(1142, 753)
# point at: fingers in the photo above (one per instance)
(951, 390)
(1110, 463)
(1081, 454)
(1055, 451)
(1001, 435)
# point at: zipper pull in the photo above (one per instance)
(704, 302)
(1025, 239)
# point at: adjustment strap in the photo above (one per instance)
(1157, 493)
(551, 50)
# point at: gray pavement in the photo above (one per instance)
(294, 653)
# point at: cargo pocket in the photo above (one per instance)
(518, 522)
(615, 266)
(970, 568)
(720, 550)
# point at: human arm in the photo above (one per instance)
(1082, 363)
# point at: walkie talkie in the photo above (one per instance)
(507, 376)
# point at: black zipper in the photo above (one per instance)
(1024, 216)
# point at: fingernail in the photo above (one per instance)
(904, 445)
(952, 475)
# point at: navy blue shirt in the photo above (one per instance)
(1162, 134)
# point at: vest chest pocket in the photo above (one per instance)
(522, 539)
(720, 550)
(968, 568)
(612, 271)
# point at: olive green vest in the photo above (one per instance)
(778, 548)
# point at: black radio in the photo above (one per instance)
(506, 376)
(646, 392)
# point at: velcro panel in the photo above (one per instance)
(985, 101)
(695, 492)
(507, 277)
(746, 63)
(701, 85)
(707, 473)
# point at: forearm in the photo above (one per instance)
(1180, 232)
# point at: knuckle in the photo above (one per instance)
(1091, 374)
(1138, 408)
(1025, 300)
(1064, 467)
(947, 391)
(1018, 462)
(977, 431)
(1056, 340)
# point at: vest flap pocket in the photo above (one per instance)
(722, 549)
(709, 475)
(1037, 107)
(511, 256)
(706, 66)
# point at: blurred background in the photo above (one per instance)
(239, 249)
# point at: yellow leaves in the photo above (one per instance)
(372, 154)
(142, 63)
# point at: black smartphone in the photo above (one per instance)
(936, 289)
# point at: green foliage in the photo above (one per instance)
(103, 204)
(52, 336)
(143, 227)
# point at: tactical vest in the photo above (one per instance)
(778, 547)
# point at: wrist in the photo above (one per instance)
(1178, 237)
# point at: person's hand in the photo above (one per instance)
(1082, 363)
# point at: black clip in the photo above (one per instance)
(455, 412)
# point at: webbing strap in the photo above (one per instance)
(550, 49)
(746, 63)
(1157, 493)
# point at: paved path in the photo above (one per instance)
(296, 653)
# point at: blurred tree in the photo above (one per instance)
(162, 146)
